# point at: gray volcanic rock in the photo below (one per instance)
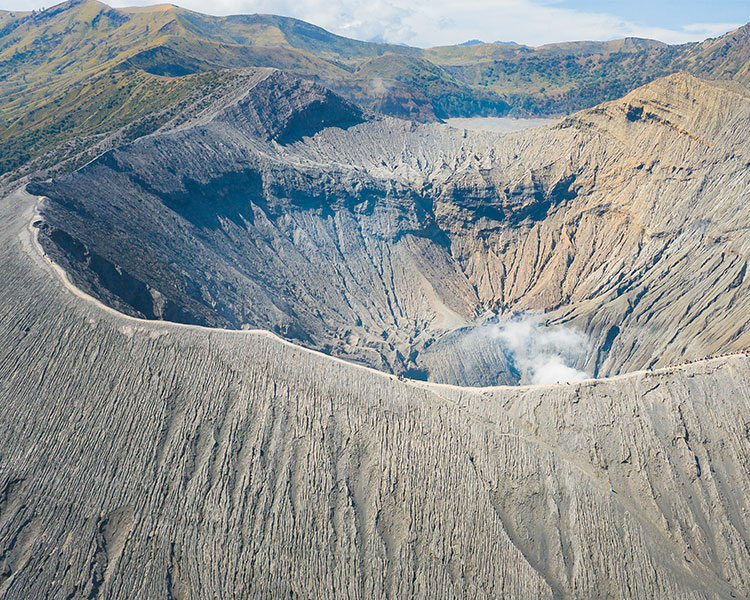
(376, 240)
(273, 105)
(144, 459)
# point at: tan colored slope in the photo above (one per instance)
(144, 459)
(74, 71)
(656, 240)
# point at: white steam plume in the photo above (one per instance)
(541, 354)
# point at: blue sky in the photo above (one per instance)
(442, 22)
(667, 13)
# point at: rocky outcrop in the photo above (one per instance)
(375, 239)
(149, 459)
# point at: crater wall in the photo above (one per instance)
(375, 239)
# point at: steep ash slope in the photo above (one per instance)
(372, 240)
(147, 459)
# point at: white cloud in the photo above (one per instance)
(442, 22)
(710, 29)
(541, 353)
(552, 370)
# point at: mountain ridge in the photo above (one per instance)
(261, 338)
(135, 49)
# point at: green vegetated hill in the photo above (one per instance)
(561, 78)
(74, 73)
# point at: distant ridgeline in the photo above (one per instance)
(77, 74)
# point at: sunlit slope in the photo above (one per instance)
(82, 68)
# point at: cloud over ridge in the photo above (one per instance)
(442, 22)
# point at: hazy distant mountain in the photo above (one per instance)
(80, 70)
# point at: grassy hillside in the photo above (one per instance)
(92, 108)
(82, 69)
(561, 78)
